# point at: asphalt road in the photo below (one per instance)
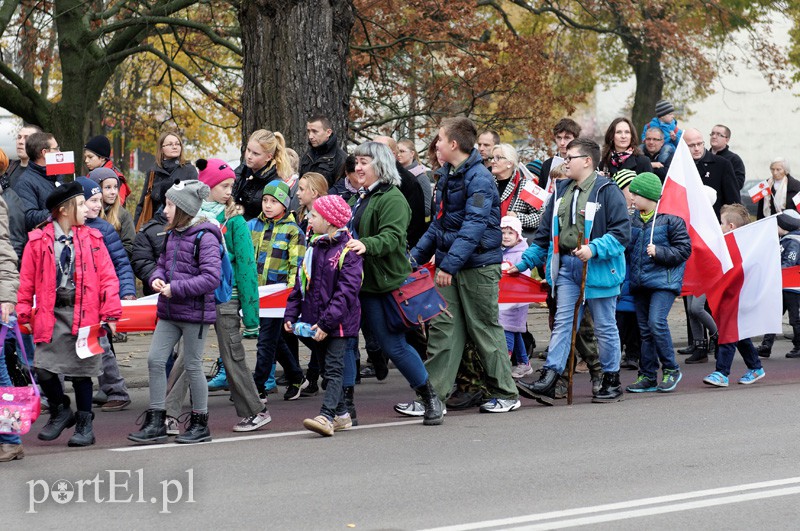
(699, 458)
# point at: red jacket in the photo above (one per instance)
(96, 284)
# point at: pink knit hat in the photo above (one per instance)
(213, 171)
(333, 209)
(513, 223)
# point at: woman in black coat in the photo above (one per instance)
(169, 167)
(265, 160)
(620, 150)
(783, 188)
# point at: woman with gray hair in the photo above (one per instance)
(783, 188)
(511, 179)
(380, 218)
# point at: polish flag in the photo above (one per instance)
(743, 302)
(533, 194)
(60, 163)
(683, 196)
(88, 343)
(759, 191)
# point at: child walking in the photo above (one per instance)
(657, 254)
(732, 217)
(326, 297)
(185, 309)
(514, 320)
(279, 248)
(67, 268)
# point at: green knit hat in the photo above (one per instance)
(646, 185)
(623, 178)
(280, 191)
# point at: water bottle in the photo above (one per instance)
(303, 330)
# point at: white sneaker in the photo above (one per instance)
(172, 426)
(414, 409)
(342, 423)
(520, 371)
(319, 424)
(253, 422)
(500, 405)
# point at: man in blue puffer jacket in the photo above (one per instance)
(466, 238)
(594, 205)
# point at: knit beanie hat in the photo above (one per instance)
(513, 223)
(664, 107)
(333, 209)
(789, 220)
(99, 175)
(280, 191)
(646, 185)
(623, 177)
(188, 195)
(90, 187)
(62, 194)
(100, 146)
(535, 167)
(213, 171)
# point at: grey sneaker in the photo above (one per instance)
(414, 409)
(501, 405)
(669, 381)
(253, 422)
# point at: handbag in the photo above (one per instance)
(146, 214)
(415, 302)
(19, 406)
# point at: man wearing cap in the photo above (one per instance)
(720, 136)
(34, 185)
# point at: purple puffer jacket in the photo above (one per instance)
(513, 319)
(192, 281)
(331, 298)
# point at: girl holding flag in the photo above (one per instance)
(54, 270)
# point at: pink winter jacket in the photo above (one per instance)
(96, 284)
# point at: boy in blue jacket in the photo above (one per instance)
(657, 255)
(594, 205)
(665, 120)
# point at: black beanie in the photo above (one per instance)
(789, 220)
(100, 146)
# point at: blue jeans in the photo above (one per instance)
(726, 352)
(666, 152)
(516, 347)
(5, 381)
(652, 309)
(568, 287)
(271, 346)
(393, 344)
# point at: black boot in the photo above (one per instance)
(688, 350)
(713, 343)
(358, 367)
(153, 428)
(433, 406)
(197, 430)
(348, 401)
(543, 389)
(700, 354)
(610, 390)
(61, 418)
(84, 435)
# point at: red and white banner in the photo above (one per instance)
(60, 163)
(683, 196)
(760, 191)
(533, 194)
(746, 301)
(88, 343)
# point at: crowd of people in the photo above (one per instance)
(344, 232)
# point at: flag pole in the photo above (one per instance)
(653, 228)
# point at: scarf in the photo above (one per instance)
(647, 217)
(619, 157)
(506, 203)
(778, 200)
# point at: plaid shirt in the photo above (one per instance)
(280, 246)
(528, 216)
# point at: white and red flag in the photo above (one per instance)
(60, 163)
(683, 196)
(760, 191)
(88, 343)
(746, 301)
(533, 194)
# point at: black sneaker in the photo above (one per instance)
(311, 390)
(794, 353)
(294, 390)
(764, 351)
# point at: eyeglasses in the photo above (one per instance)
(53, 149)
(714, 133)
(498, 159)
(171, 144)
(696, 144)
(568, 158)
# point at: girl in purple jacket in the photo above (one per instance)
(326, 297)
(514, 319)
(186, 282)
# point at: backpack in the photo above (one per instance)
(224, 292)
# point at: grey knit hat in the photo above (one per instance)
(664, 107)
(188, 195)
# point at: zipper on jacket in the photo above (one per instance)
(83, 284)
(171, 271)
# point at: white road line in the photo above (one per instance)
(146, 447)
(621, 507)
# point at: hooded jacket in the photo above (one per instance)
(514, 319)
(96, 284)
(249, 188)
(127, 283)
(665, 270)
(147, 247)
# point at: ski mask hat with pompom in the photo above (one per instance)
(213, 171)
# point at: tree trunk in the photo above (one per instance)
(295, 65)
(646, 64)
